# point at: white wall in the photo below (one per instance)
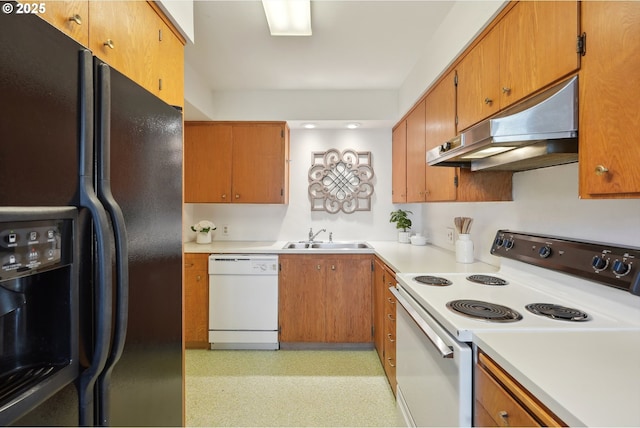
(546, 202)
(466, 20)
(292, 222)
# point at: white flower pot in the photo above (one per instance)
(203, 237)
(403, 237)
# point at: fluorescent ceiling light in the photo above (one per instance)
(288, 17)
(353, 125)
(309, 125)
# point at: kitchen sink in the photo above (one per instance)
(341, 245)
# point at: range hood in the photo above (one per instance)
(539, 132)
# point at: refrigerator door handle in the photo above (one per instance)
(103, 287)
(121, 306)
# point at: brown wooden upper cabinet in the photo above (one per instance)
(444, 184)
(531, 47)
(70, 17)
(416, 152)
(440, 126)
(609, 101)
(131, 36)
(236, 162)
(399, 163)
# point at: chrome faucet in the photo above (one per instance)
(312, 236)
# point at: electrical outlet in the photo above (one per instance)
(450, 235)
(225, 229)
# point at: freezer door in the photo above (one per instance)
(38, 113)
(39, 155)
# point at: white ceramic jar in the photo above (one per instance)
(464, 249)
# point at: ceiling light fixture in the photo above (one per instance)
(353, 125)
(309, 125)
(288, 17)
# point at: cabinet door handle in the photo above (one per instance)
(109, 43)
(188, 265)
(389, 360)
(198, 278)
(224, 196)
(506, 90)
(237, 196)
(390, 300)
(390, 337)
(391, 318)
(488, 101)
(318, 267)
(333, 267)
(601, 170)
(504, 416)
(76, 18)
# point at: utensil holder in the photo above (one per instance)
(464, 249)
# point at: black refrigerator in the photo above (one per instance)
(76, 134)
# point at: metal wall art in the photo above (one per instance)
(340, 181)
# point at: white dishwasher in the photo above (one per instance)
(243, 301)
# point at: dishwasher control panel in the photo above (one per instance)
(243, 264)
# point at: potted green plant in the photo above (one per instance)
(401, 219)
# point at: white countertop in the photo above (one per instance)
(400, 257)
(599, 387)
(587, 378)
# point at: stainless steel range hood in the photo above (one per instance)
(539, 132)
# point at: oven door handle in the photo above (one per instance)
(445, 351)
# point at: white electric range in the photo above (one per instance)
(577, 285)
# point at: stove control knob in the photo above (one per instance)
(508, 244)
(599, 263)
(620, 268)
(545, 251)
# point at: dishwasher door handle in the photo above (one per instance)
(445, 351)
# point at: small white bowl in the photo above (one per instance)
(418, 240)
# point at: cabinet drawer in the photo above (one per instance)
(503, 409)
(194, 261)
(506, 401)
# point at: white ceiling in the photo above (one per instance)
(356, 45)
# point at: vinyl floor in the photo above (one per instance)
(304, 388)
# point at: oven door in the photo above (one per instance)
(434, 371)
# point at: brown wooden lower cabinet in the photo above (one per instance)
(390, 337)
(501, 401)
(325, 298)
(196, 301)
(385, 319)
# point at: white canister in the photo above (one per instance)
(464, 249)
(203, 237)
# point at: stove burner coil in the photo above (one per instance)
(432, 280)
(487, 280)
(484, 310)
(558, 312)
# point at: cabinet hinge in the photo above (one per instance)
(372, 331)
(282, 133)
(372, 267)
(456, 120)
(160, 35)
(455, 79)
(581, 44)
(281, 192)
(455, 181)
(279, 267)
(159, 84)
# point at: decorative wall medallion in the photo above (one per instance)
(340, 181)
